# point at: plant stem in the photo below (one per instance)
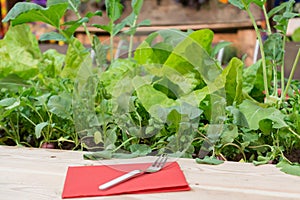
(131, 38)
(83, 24)
(125, 142)
(282, 65)
(263, 57)
(111, 43)
(291, 75)
(269, 31)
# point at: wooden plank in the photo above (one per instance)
(213, 26)
(39, 174)
(171, 12)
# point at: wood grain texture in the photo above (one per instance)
(39, 174)
(171, 12)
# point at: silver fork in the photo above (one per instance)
(157, 165)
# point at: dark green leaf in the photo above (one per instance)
(24, 12)
(273, 48)
(52, 36)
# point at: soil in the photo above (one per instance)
(294, 155)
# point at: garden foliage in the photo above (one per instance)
(171, 95)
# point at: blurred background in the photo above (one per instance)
(228, 23)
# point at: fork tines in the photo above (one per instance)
(161, 160)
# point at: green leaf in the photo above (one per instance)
(73, 25)
(39, 127)
(98, 155)
(8, 102)
(137, 6)
(229, 134)
(273, 47)
(52, 36)
(209, 160)
(145, 22)
(238, 3)
(98, 137)
(259, 3)
(253, 83)
(19, 56)
(92, 14)
(140, 149)
(103, 27)
(52, 63)
(118, 27)
(254, 114)
(234, 81)
(218, 47)
(114, 9)
(24, 12)
(293, 169)
(151, 97)
(61, 105)
(72, 4)
(261, 160)
(76, 55)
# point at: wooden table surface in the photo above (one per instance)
(38, 174)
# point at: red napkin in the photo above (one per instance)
(83, 181)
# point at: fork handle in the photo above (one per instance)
(121, 179)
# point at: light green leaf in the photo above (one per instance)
(19, 56)
(254, 114)
(7, 102)
(293, 169)
(76, 55)
(229, 134)
(39, 127)
(140, 149)
(52, 63)
(61, 105)
(98, 137)
(234, 81)
(150, 97)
